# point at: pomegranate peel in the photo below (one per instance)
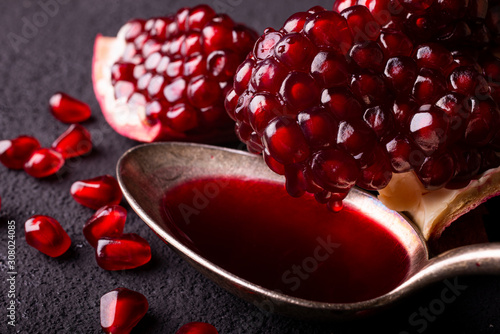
(433, 211)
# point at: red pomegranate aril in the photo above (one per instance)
(108, 221)
(300, 91)
(355, 137)
(367, 55)
(399, 150)
(329, 30)
(199, 16)
(15, 152)
(318, 126)
(466, 81)
(436, 172)
(181, 118)
(395, 43)
(429, 129)
(483, 122)
(401, 73)
(44, 162)
(402, 110)
(218, 34)
(97, 192)
(368, 87)
(45, 234)
(128, 251)
(67, 109)
(74, 142)
(295, 51)
(197, 328)
(330, 69)
(243, 75)
(275, 166)
(429, 86)
(380, 121)
(261, 110)
(362, 24)
(264, 46)
(285, 141)
(433, 55)
(122, 71)
(222, 64)
(268, 75)
(295, 23)
(121, 310)
(378, 174)
(203, 92)
(342, 103)
(334, 170)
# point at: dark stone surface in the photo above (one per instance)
(62, 295)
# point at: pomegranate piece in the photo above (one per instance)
(46, 234)
(44, 162)
(15, 152)
(333, 100)
(121, 310)
(97, 192)
(197, 328)
(74, 142)
(108, 221)
(169, 75)
(127, 251)
(67, 109)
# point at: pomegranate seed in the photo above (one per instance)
(44, 162)
(197, 328)
(14, 153)
(108, 221)
(74, 142)
(285, 141)
(46, 234)
(335, 170)
(67, 109)
(127, 251)
(121, 310)
(429, 129)
(97, 192)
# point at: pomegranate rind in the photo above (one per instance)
(433, 211)
(131, 122)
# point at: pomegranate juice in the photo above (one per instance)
(255, 230)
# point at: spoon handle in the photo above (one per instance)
(480, 259)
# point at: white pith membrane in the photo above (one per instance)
(433, 211)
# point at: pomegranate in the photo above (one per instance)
(67, 109)
(108, 221)
(121, 310)
(165, 78)
(97, 192)
(336, 100)
(44, 162)
(127, 251)
(46, 234)
(74, 142)
(14, 153)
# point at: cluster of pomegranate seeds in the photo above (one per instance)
(197, 328)
(74, 142)
(127, 251)
(179, 68)
(334, 100)
(108, 221)
(67, 109)
(121, 310)
(46, 234)
(97, 192)
(449, 22)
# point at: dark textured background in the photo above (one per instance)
(62, 295)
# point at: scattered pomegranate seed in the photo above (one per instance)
(121, 310)
(15, 152)
(197, 328)
(108, 221)
(46, 234)
(67, 109)
(127, 251)
(75, 141)
(97, 192)
(44, 162)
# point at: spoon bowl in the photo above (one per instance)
(147, 172)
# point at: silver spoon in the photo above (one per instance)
(146, 172)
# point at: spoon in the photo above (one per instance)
(146, 172)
